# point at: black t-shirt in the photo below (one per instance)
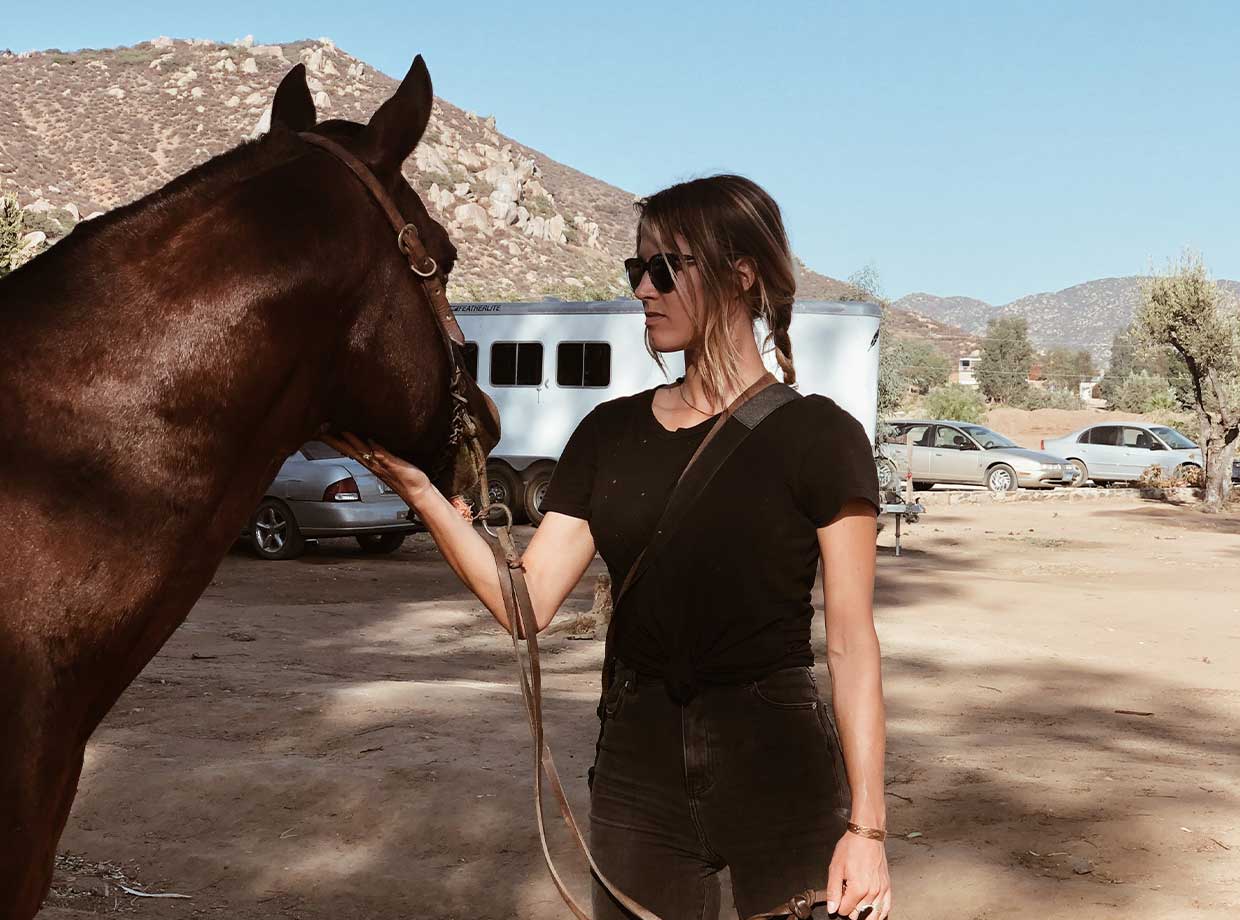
(728, 600)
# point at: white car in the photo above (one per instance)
(1122, 451)
(950, 451)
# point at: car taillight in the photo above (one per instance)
(1042, 444)
(343, 491)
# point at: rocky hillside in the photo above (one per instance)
(86, 131)
(1083, 316)
(965, 312)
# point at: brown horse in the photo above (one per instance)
(157, 366)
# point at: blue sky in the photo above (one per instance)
(982, 149)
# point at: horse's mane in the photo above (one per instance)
(246, 159)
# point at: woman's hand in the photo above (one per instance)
(858, 878)
(407, 480)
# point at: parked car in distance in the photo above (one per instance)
(1122, 451)
(320, 493)
(949, 451)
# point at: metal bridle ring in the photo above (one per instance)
(430, 272)
(486, 512)
(404, 247)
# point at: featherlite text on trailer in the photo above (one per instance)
(546, 364)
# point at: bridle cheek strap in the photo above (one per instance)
(407, 240)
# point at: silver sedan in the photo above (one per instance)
(949, 451)
(1122, 451)
(319, 493)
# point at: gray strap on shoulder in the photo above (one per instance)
(763, 404)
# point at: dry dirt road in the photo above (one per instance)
(339, 737)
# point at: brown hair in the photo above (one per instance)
(724, 219)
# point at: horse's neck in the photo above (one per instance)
(146, 409)
(132, 379)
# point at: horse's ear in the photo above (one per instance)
(397, 127)
(293, 106)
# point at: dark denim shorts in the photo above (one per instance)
(750, 777)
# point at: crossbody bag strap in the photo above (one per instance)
(749, 409)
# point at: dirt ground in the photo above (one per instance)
(340, 737)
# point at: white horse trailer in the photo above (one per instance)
(547, 364)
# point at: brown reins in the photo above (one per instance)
(517, 603)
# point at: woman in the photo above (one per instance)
(714, 749)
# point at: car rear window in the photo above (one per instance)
(317, 450)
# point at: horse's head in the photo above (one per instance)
(393, 377)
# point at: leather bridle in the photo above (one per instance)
(465, 428)
(517, 604)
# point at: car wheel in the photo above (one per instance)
(274, 533)
(920, 486)
(536, 484)
(504, 487)
(1184, 470)
(887, 477)
(1002, 478)
(380, 543)
(1082, 474)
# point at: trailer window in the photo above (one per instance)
(516, 364)
(470, 351)
(583, 364)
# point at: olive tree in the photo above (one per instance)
(1185, 312)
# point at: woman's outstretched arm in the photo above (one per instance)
(556, 558)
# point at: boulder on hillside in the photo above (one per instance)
(473, 215)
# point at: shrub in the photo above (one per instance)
(1039, 398)
(1144, 392)
(1153, 477)
(955, 402)
(12, 228)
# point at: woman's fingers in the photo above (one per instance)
(860, 891)
(864, 909)
(835, 887)
(883, 908)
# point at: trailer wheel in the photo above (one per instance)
(504, 487)
(537, 478)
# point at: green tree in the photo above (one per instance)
(1130, 354)
(924, 365)
(893, 383)
(1183, 311)
(1006, 358)
(1065, 369)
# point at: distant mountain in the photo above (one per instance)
(951, 340)
(967, 313)
(1082, 316)
(85, 131)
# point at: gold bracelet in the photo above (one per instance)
(870, 833)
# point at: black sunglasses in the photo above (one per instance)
(662, 267)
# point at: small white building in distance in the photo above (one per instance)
(966, 367)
